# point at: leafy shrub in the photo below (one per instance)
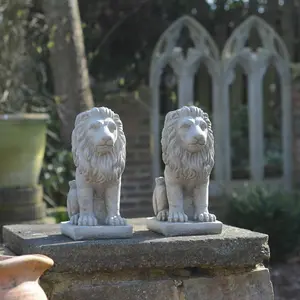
(59, 213)
(275, 213)
(58, 167)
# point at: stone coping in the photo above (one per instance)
(234, 247)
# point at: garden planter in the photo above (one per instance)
(19, 276)
(22, 148)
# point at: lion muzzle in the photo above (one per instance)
(199, 140)
(106, 141)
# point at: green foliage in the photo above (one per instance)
(58, 168)
(275, 213)
(59, 213)
(21, 63)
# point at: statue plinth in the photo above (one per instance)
(79, 233)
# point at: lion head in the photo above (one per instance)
(188, 143)
(99, 145)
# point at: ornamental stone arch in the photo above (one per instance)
(255, 63)
(222, 72)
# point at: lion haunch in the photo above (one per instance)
(99, 153)
(188, 153)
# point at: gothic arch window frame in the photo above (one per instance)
(234, 52)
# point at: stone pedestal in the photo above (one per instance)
(79, 233)
(227, 266)
(185, 228)
(19, 205)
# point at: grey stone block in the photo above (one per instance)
(255, 285)
(234, 247)
(129, 290)
(5, 251)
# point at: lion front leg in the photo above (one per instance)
(201, 204)
(175, 200)
(85, 200)
(112, 202)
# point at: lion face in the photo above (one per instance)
(102, 133)
(188, 143)
(99, 145)
(192, 133)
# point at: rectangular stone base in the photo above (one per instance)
(79, 233)
(149, 265)
(187, 228)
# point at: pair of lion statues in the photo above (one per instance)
(99, 153)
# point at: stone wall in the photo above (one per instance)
(134, 111)
(228, 266)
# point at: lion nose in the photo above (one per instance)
(106, 141)
(199, 139)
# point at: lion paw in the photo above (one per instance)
(74, 219)
(87, 220)
(163, 215)
(116, 221)
(205, 217)
(177, 216)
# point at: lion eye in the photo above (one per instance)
(203, 125)
(186, 125)
(95, 125)
(112, 126)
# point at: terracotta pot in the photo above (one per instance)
(19, 276)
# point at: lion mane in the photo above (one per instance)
(96, 167)
(184, 164)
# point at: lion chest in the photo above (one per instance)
(188, 179)
(99, 201)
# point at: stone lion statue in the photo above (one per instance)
(99, 153)
(188, 153)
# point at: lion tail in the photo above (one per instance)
(159, 198)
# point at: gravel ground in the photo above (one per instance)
(286, 281)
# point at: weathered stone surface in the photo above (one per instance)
(234, 247)
(252, 285)
(5, 251)
(47, 220)
(255, 285)
(183, 228)
(128, 290)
